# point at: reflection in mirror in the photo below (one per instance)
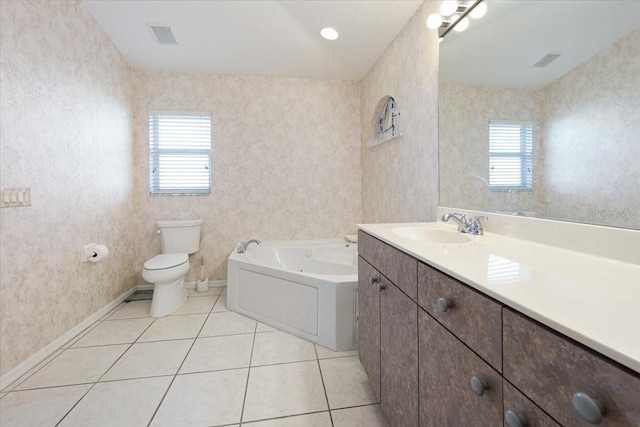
(572, 69)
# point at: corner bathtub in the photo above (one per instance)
(305, 287)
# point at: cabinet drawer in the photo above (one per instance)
(400, 268)
(524, 409)
(472, 317)
(370, 249)
(446, 368)
(550, 369)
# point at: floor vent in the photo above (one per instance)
(140, 296)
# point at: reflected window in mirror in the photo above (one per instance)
(510, 155)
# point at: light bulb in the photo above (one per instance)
(434, 21)
(329, 33)
(461, 25)
(478, 11)
(448, 7)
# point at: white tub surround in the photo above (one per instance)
(590, 298)
(307, 288)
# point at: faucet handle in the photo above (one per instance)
(475, 226)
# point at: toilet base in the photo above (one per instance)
(168, 297)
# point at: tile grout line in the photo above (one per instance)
(76, 404)
(105, 372)
(181, 364)
(282, 417)
(324, 387)
(64, 347)
(246, 386)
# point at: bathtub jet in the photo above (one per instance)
(307, 288)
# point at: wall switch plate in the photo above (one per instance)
(15, 197)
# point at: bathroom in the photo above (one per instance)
(290, 161)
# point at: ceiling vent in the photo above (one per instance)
(163, 33)
(547, 59)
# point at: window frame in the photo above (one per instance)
(524, 154)
(156, 152)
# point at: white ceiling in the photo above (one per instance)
(265, 37)
(500, 48)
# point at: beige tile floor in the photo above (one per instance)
(201, 366)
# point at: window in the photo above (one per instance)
(179, 153)
(510, 155)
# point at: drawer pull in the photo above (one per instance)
(479, 385)
(513, 420)
(589, 409)
(444, 304)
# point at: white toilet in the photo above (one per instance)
(180, 238)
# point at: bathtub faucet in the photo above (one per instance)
(243, 245)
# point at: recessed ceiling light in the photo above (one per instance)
(329, 33)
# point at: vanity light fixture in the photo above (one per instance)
(453, 15)
(461, 25)
(329, 33)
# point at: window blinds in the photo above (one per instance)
(510, 155)
(179, 153)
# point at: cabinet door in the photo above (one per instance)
(551, 369)
(399, 356)
(446, 370)
(517, 408)
(369, 323)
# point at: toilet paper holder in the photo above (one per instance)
(93, 252)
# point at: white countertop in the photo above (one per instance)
(594, 300)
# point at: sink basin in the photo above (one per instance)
(431, 235)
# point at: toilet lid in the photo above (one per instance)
(164, 261)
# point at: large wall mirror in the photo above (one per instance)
(578, 111)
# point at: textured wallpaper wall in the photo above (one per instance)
(285, 160)
(591, 147)
(65, 131)
(400, 177)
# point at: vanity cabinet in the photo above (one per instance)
(520, 411)
(399, 356)
(390, 318)
(440, 353)
(457, 388)
(550, 369)
(475, 319)
(369, 323)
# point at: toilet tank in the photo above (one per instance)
(180, 236)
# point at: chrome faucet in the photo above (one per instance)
(469, 226)
(243, 245)
(459, 219)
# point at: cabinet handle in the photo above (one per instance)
(479, 385)
(513, 420)
(444, 304)
(374, 280)
(589, 409)
(380, 287)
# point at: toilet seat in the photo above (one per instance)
(166, 261)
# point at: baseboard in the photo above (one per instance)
(35, 359)
(212, 284)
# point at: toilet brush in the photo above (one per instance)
(203, 284)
